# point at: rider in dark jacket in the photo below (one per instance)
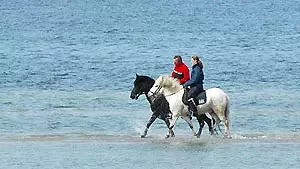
(195, 84)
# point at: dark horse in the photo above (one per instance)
(158, 103)
(160, 106)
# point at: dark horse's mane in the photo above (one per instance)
(147, 80)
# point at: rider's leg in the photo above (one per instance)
(192, 107)
(191, 102)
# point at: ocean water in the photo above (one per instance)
(67, 69)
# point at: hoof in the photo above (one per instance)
(167, 136)
(143, 136)
(171, 133)
(227, 136)
(198, 134)
(216, 132)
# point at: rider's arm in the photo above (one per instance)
(193, 81)
(173, 74)
(186, 75)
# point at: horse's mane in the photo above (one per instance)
(170, 83)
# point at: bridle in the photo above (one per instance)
(173, 93)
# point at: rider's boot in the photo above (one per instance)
(192, 108)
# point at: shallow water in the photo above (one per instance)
(67, 69)
(94, 151)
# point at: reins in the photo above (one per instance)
(158, 89)
(173, 93)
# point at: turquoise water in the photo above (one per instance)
(67, 69)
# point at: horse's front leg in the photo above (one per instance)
(190, 123)
(170, 131)
(151, 120)
(172, 123)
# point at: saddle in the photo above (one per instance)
(199, 99)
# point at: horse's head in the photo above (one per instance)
(165, 83)
(142, 85)
(158, 85)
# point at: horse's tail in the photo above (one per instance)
(227, 107)
(227, 119)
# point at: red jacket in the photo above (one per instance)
(181, 72)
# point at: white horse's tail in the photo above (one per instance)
(227, 111)
(227, 119)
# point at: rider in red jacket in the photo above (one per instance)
(180, 70)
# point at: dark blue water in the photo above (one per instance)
(67, 69)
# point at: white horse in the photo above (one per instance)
(217, 102)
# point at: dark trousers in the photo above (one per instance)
(194, 91)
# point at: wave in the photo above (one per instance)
(179, 139)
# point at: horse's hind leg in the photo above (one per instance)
(210, 121)
(201, 124)
(190, 123)
(227, 134)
